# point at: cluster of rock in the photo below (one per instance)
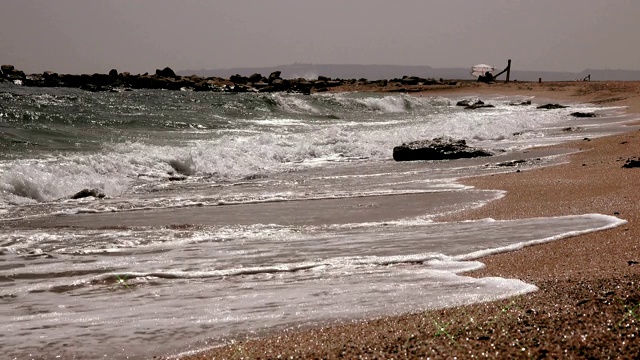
(436, 149)
(473, 104)
(167, 79)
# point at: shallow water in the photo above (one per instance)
(291, 213)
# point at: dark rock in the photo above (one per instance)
(520, 103)
(302, 86)
(469, 102)
(75, 80)
(277, 85)
(182, 167)
(100, 79)
(552, 106)
(255, 78)
(579, 114)
(511, 163)
(96, 193)
(177, 178)
(274, 75)
(238, 79)
(17, 74)
(9, 72)
(631, 163)
(436, 149)
(113, 73)
(410, 80)
(204, 86)
(149, 82)
(166, 73)
(431, 81)
(7, 69)
(51, 79)
(324, 78)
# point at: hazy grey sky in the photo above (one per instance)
(87, 36)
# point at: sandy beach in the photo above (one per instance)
(588, 303)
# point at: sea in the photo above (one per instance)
(230, 216)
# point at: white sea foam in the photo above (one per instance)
(608, 221)
(294, 104)
(244, 154)
(280, 122)
(287, 274)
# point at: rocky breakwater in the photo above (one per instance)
(436, 149)
(167, 79)
(114, 81)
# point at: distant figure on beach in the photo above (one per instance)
(486, 78)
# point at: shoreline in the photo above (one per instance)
(589, 285)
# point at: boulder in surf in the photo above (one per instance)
(436, 149)
(552, 106)
(96, 193)
(579, 114)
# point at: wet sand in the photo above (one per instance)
(588, 305)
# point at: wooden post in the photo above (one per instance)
(506, 70)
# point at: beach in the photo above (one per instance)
(589, 291)
(152, 223)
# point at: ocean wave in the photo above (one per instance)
(270, 133)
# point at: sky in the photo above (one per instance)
(89, 36)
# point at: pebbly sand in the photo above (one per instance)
(588, 305)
